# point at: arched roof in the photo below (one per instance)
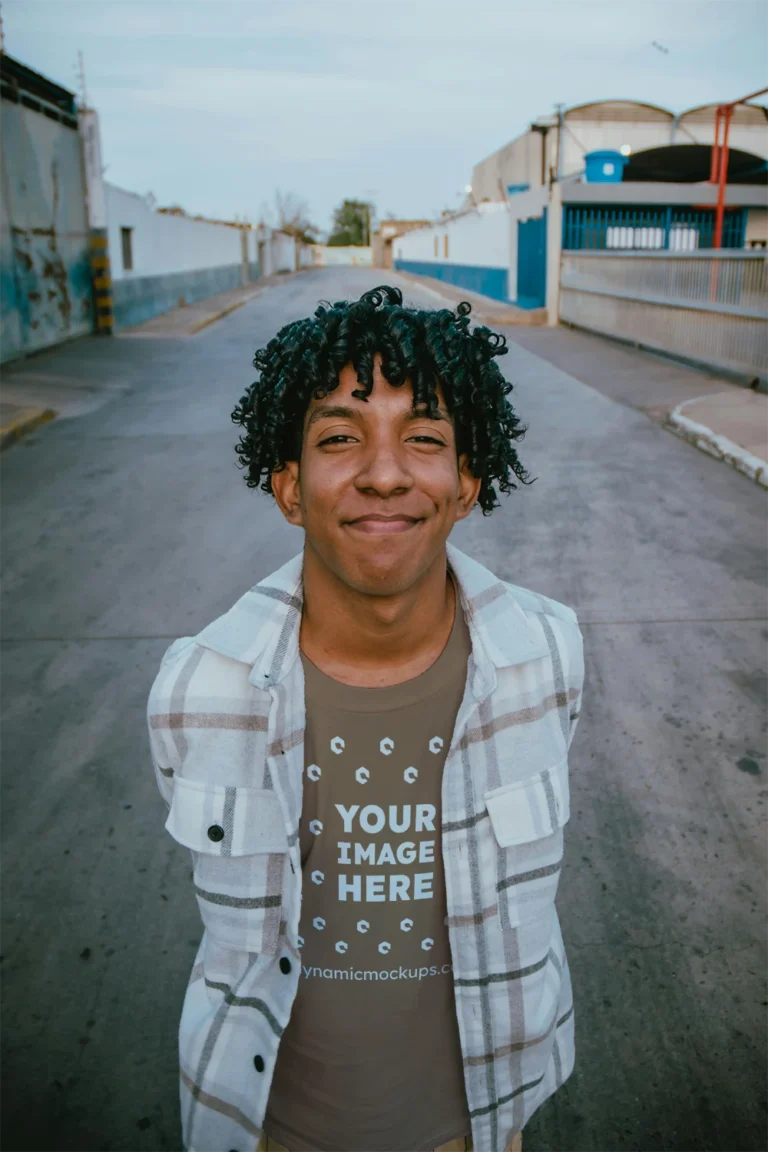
(619, 111)
(755, 114)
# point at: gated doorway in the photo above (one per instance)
(532, 262)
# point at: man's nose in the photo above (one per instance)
(384, 468)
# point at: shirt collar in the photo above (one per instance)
(262, 627)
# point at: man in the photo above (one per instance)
(367, 756)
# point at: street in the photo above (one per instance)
(129, 524)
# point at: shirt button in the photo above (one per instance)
(258, 1063)
(285, 965)
(215, 833)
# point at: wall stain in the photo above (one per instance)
(24, 259)
(748, 766)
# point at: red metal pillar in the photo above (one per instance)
(717, 241)
(714, 167)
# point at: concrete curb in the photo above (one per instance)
(27, 420)
(200, 324)
(719, 446)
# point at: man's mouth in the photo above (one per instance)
(376, 525)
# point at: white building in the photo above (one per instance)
(161, 260)
(630, 176)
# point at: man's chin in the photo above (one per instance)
(382, 570)
(377, 564)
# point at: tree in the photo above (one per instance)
(291, 215)
(352, 224)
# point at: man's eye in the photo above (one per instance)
(330, 439)
(341, 438)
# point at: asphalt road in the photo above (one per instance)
(129, 524)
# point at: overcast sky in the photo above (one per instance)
(213, 105)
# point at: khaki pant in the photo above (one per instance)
(463, 1144)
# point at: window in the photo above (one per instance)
(125, 240)
(445, 246)
(436, 248)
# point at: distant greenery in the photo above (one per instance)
(352, 224)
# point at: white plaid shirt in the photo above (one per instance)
(226, 719)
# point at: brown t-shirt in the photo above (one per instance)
(371, 1059)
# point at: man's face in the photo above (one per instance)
(376, 457)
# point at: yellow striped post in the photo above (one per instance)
(101, 277)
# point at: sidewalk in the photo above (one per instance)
(733, 426)
(484, 309)
(727, 420)
(192, 318)
(30, 397)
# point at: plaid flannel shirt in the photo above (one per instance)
(226, 718)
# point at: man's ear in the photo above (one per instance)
(285, 485)
(469, 488)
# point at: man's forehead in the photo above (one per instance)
(382, 388)
(399, 403)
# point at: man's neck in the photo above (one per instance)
(375, 641)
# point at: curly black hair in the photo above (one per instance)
(416, 345)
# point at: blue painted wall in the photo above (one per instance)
(491, 282)
(140, 298)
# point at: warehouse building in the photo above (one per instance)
(616, 174)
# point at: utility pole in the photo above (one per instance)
(2, 33)
(81, 67)
(368, 193)
(543, 130)
(560, 120)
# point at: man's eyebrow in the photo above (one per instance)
(420, 412)
(329, 411)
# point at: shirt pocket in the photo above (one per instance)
(527, 820)
(239, 848)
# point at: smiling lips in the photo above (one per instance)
(384, 524)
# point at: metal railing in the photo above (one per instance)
(711, 307)
(672, 227)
